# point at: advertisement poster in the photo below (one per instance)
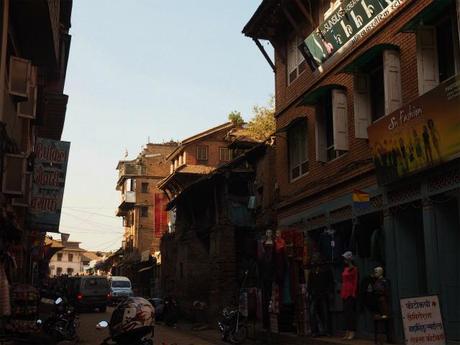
(50, 167)
(161, 215)
(418, 136)
(345, 26)
(422, 321)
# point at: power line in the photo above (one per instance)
(89, 220)
(91, 213)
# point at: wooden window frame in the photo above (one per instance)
(295, 61)
(199, 156)
(302, 161)
(224, 154)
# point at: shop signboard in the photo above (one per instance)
(49, 173)
(422, 321)
(345, 26)
(421, 135)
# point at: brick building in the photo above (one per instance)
(142, 208)
(341, 69)
(34, 50)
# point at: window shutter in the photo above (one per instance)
(427, 59)
(392, 80)
(362, 105)
(291, 55)
(340, 119)
(320, 133)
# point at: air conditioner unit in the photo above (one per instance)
(28, 109)
(14, 169)
(26, 199)
(19, 74)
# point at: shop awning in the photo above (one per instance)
(314, 96)
(428, 15)
(365, 58)
(145, 269)
(291, 124)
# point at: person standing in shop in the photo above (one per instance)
(348, 293)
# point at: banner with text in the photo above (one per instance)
(422, 134)
(422, 321)
(345, 26)
(50, 167)
(161, 215)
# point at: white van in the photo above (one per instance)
(120, 288)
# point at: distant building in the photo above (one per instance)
(68, 261)
(141, 201)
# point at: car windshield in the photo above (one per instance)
(93, 283)
(121, 284)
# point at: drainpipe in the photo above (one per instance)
(4, 45)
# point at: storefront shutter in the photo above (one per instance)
(392, 80)
(340, 119)
(320, 133)
(362, 105)
(427, 59)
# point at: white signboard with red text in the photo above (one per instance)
(422, 321)
(50, 167)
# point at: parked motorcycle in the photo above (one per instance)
(63, 323)
(132, 323)
(170, 313)
(233, 326)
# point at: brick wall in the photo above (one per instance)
(326, 181)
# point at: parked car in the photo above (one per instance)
(120, 289)
(89, 292)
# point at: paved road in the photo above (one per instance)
(171, 336)
(163, 335)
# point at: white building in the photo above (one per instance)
(67, 261)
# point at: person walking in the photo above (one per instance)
(348, 293)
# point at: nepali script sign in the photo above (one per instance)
(422, 321)
(50, 167)
(345, 26)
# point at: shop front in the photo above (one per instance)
(416, 152)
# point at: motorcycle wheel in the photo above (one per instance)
(240, 336)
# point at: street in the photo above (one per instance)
(163, 335)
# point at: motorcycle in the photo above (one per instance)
(233, 326)
(134, 339)
(62, 325)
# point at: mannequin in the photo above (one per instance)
(348, 293)
(380, 289)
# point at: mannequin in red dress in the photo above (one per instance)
(348, 293)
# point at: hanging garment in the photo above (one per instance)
(349, 282)
(331, 244)
(378, 245)
(5, 306)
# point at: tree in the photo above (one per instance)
(236, 118)
(262, 125)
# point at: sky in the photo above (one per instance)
(151, 70)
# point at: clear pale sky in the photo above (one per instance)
(144, 69)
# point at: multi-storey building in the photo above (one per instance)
(34, 50)
(367, 103)
(195, 156)
(142, 202)
(68, 261)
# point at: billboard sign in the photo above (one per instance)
(346, 25)
(50, 167)
(422, 134)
